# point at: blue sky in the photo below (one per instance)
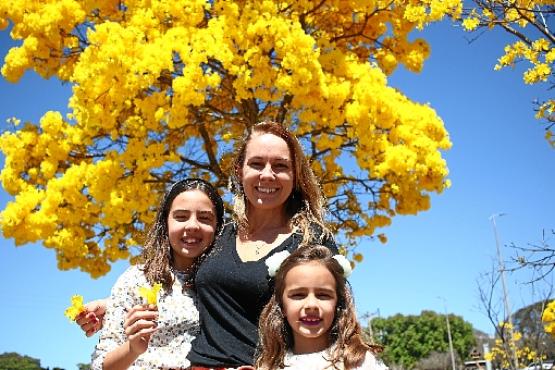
(499, 162)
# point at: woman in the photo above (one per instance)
(278, 206)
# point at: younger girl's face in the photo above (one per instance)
(309, 301)
(191, 226)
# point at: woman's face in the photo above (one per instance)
(267, 172)
(191, 226)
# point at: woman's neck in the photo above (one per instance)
(264, 221)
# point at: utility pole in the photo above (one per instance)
(504, 284)
(451, 351)
(369, 316)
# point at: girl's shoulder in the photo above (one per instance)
(371, 362)
(133, 275)
(134, 271)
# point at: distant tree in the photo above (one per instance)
(84, 366)
(519, 337)
(409, 339)
(528, 321)
(537, 256)
(15, 361)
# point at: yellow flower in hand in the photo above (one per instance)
(150, 294)
(76, 307)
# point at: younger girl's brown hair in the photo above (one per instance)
(345, 334)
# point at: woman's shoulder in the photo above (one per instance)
(228, 230)
(319, 234)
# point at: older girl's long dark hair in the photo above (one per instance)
(345, 335)
(157, 253)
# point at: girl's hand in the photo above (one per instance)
(139, 326)
(91, 319)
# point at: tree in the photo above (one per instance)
(410, 339)
(528, 321)
(435, 361)
(519, 337)
(164, 89)
(539, 257)
(530, 23)
(509, 351)
(15, 361)
(84, 366)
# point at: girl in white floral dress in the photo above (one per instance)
(310, 322)
(136, 335)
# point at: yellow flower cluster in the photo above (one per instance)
(76, 307)
(522, 19)
(150, 294)
(504, 348)
(164, 89)
(548, 318)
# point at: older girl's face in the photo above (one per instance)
(267, 172)
(191, 226)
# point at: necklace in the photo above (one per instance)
(186, 271)
(259, 245)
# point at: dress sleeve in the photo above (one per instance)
(122, 298)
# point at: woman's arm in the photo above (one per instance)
(91, 319)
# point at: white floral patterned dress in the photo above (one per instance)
(320, 361)
(178, 323)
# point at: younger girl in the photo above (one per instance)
(140, 336)
(310, 321)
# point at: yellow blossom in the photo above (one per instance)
(161, 89)
(150, 294)
(519, 19)
(470, 24)
(76, 307)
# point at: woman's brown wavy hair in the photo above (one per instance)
(305, 205)
(157, 253)
(348, 348)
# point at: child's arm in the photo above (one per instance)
(139, 326)
(123, 298)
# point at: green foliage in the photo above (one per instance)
(408, 339)
(15, 361)
(84, 366)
